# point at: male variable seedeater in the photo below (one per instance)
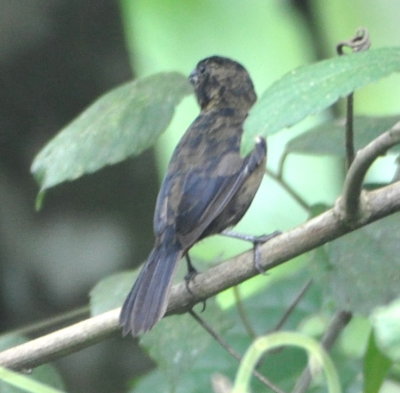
(207, 189)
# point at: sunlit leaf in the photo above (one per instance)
(310, 89)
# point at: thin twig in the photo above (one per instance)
(281, 165)
(315, 232)
(242, 313)
(231, 351)
(288, 312)
(51, 323)
(338, 323)
(214, 335)
(349, 130)
(292, 306)
(351, 200)
(290, 190)
(360, 42)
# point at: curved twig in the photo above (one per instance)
(351, 200)
(360, 42)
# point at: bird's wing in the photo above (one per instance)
(205, 197)
(161, 216)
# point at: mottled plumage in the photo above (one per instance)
(208, 186)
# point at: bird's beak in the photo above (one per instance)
(193, 77)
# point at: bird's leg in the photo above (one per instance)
(256, 240)
(190, 275)
(191, 270)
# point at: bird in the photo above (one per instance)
(207, 189)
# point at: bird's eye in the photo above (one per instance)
(202, 69)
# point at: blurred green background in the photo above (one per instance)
(56, 57)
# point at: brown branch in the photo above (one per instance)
(315, 232)
(61, 342)
(319, 230)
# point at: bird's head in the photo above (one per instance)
(220, 82)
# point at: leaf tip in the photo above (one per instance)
(39, 200)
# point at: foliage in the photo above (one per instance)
(359, 271)
(122, 123)
(312, 88)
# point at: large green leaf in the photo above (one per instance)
(329, 138)
(122, 123)
(364, 266)
(312, 88)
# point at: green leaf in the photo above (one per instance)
(110, 292)
(310, 89)
(329, 138)
(364, 266)
(386, 324)
(120, 124)
(22, 383)
(37, 379)
(376, 366)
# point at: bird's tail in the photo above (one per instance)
(148, 299)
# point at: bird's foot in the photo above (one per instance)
(257, 242)
(190, 276)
